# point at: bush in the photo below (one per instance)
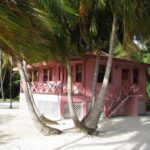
(148, 90)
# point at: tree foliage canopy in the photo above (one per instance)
(57, 29)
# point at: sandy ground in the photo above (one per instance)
(17, 132)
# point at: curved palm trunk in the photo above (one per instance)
(70, 100)
(91, 120)
(41, 126)
(10, 86)
(1, 77)
(40, 116)
(2, 82)
(2, 91)
(95, 79)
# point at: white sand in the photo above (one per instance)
(17, 132)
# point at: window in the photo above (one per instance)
(67, 75)
(135, 76)
(59, 73)
(101, 74)
(63, 73)
(35, 75)
(45, 75)
(125, 77)
(78, 75)
(30, 76)
(51, 74)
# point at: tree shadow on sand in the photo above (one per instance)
(134, 133)
(70, 143)
(5, 138)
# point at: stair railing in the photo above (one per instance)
(121, 98)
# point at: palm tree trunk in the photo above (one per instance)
(2, 91)
(70, 100)
(95, 79)
(1, 77)
(10, 85)
(92, 119)
(41, 126)
(40, 116)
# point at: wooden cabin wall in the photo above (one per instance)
(131, 106)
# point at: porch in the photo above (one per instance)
(58, 88)
(51, 99)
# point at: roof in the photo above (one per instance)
(120, 60)
(90, 56)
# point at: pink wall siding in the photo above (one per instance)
(84, 92)
(114, 85)
(131, 106)
(143, 80)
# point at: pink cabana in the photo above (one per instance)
(126, 93)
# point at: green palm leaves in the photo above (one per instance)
(56, 29)
(21, 37)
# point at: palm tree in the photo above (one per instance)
(3, 69)
(65, 14)
(19, 46)
(10, 81)
(94, 34)
(130, 28)
(1, 76)
(46, 130)
(92, 120)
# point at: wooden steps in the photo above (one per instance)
(120, 100)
